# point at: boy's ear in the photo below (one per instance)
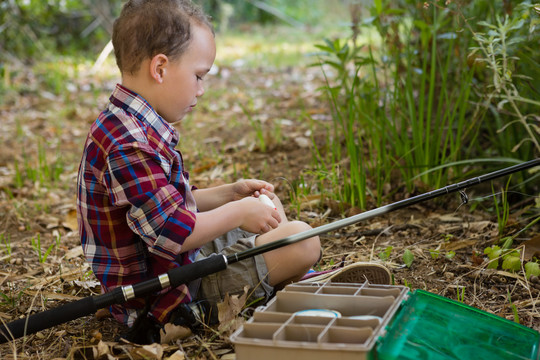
(158, 67)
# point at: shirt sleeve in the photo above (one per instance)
(138, 177)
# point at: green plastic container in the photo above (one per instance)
(378, 322)
(431, 327)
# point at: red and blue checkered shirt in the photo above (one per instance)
(134, 202)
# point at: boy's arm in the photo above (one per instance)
(212, 198)
(249, 214)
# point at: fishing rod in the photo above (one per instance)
(217, 262)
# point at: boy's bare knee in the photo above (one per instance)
(313, 250)
(291, 262)
(311, 247)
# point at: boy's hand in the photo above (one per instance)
(251, 187)
(257, 216)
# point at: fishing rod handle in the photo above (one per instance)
(89, 305)
(47, 319)
(173, 278)
(199, 269)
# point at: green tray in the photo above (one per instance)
(431, 327)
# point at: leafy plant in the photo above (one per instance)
(257, 125)
(511, 259)
(460, 294)
(385, 254)
(450, 254)
(413, 103)
(12, 298)
(514, 309)
(434, 254)
(38, 169)
(403, 104)
(36, 245)
(346, 125)
(33, 29)
(407, 284)
(532, 268)
(408, 257)
(493, 253)
(299, 189)
(18, 179)
(494, 49)
(6, 239)
(447, 237)
(503, 209)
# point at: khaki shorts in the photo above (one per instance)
(235, 277)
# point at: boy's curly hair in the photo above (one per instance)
(146, 28)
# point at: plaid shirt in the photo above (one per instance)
(134, 202)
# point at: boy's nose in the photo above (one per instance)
(200, 90)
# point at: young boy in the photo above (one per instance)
(138, 215)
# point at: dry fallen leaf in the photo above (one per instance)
(103, 314)
(70, 220)
(229, 357)
(228, 311)
(178, 355)
(302, 142)
(75, 252)
(171, 332)
(102, 349)
(86, 284)
(480, 226)
(532, 248)
(449, 218)
(48, 221)
(153, 351)
(456, 245)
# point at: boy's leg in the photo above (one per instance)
(291, 262)
(252, 271)
(262, 272)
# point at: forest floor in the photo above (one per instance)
(41, 261)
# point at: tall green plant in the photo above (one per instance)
(516, 116)
(359, 140)
(431, 90)
(403, 103)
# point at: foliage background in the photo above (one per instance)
(402, 97)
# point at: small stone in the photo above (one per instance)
(449, 275)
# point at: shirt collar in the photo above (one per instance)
(136, 105)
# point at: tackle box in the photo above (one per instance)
(377, 322)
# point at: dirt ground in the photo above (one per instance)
(220, 144)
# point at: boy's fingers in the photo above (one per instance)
(269, 187)
(274, 224)
(265, 186)
(270, 226)
(268, 193)
(277, 217)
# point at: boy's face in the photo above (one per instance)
(183, 78)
